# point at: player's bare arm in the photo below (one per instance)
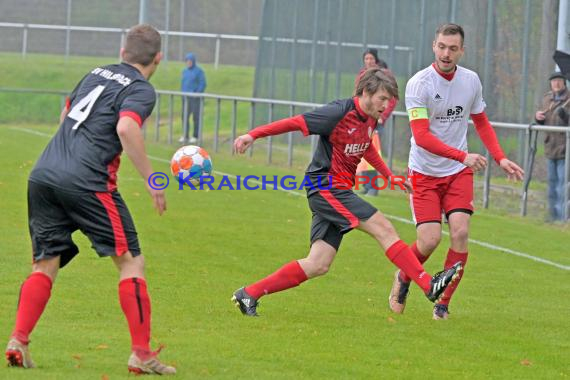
(242, 143)
(513, 171)
(475, 161)
(133, 144)
(491, 142)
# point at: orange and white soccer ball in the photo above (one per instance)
(191, 162)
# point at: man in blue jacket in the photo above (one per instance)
(193, 80)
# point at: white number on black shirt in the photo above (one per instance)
(81, 110)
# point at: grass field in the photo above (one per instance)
(509, 317)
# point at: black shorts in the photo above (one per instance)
(336, 212)
(54, 214)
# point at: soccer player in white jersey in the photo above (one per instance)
(439, 101)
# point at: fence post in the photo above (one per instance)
(528, 165)
(487, 181)
(157, 119)
(217, 52)
(167, 29)
(270, 138)
(123, 33)
(217, 127)
(251, 124)
(185, 122)
(201, 122)
(68, 30)
(170, 117)
(25, 41)
(290, 140)
(234, 125)
(566, 177)
(391, 128)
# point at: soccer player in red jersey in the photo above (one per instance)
(345, 129)
(439, 100)
(73, 187)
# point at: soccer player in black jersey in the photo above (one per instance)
(345, 130)
(73, 187)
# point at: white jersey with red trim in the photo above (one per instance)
(449, 104)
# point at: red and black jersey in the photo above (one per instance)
(345, 135)
(84, 154)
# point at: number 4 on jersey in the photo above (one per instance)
(82, 109)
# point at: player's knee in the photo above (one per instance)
(459, 233)
(428, 244)
(320, 269)
(49, 267)
(314, 268)
(383, 228)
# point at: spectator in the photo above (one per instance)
(554, 111)
(371, 60)
(193, 80)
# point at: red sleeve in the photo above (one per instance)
(488, 136)
(291, 124)
(67, 103)
(425, 139)
(374, 159)
(133, 115)
(388, 111)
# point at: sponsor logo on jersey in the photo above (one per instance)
(455, 111)
(437, 97)
(451, 115)
(355, 149)
(351, 131)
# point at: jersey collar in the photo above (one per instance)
(446, 76)
(361, 114)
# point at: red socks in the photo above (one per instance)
(452, 258)
(401, 255)
(421, 258)
(288, 276)
(135, 303)
(34, 296)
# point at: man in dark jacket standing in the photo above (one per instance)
(555, 110)
(193, 80)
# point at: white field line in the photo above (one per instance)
(393, 217)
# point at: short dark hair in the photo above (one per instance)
(450, 29)
(374, 79)
(142, 43)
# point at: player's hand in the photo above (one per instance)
(158, 199)
(408, 186)
(513, 171)
(539, 115)
(475, 161)
(242, 143)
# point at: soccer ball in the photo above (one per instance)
(192, 162)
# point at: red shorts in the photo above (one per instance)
(434, 195)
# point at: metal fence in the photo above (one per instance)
(294, 150)
(119, 36)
